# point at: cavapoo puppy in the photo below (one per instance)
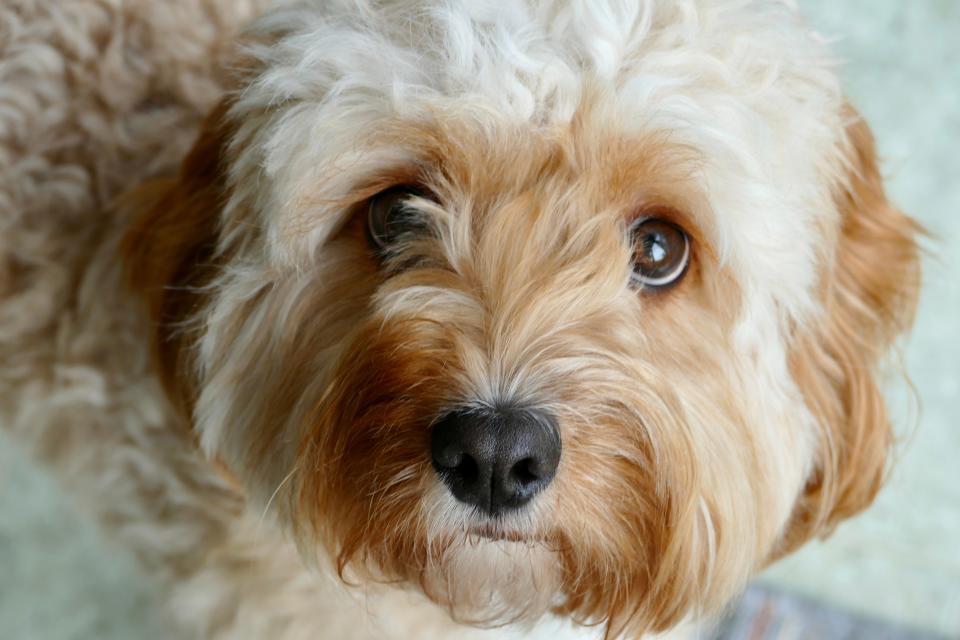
(557, 317)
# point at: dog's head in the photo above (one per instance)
(568, 306)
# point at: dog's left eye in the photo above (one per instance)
(661, 252)
(390, 217)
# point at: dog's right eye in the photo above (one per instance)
(391, 217)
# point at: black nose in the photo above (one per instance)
(496, 459)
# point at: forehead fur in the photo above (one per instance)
(742, 85)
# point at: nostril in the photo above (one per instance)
(525, 472)
(467, 469)
(457, 464)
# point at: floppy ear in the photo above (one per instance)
(869, 298)
(169, 250)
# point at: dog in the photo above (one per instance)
(557, 318)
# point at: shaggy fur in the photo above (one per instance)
(242, 392)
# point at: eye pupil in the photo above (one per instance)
(661, 252)
(390, 217)
(397, 217)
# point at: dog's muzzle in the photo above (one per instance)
(496, 459)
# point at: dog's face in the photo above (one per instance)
(571, 307)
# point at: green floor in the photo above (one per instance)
(900, 562)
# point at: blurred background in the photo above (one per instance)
(891, 573)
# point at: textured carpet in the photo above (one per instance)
(897, 569)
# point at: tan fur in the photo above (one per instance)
(169, 250)
(394, 381)
(870, 295)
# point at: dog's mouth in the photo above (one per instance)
(493, 533)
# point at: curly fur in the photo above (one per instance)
(231, 307)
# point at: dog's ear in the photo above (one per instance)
(169, 249)
(869, 291)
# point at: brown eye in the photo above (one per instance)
(391, 217)
(661, 252)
